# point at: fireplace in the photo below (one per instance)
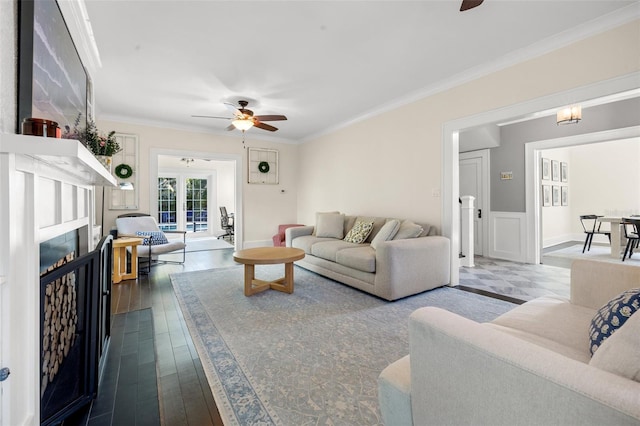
(74, 312)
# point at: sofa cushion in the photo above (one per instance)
(553, 318)
(330, 225)
(408, 229)
(387, 232)
(620, 353)
(559, 348)
(305, 242)
(612, 316)
(360, 258)
(360, 231)
(327, 249)
(157, 237)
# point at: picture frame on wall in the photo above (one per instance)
(556, 195)
(546, 169)
(564, 172)
(565, 196)
(546, 195)
(555, 171)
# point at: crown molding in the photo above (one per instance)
(594, 27)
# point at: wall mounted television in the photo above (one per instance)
(52, 81)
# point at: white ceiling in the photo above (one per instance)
(323, 64)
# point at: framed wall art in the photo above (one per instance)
(556, 195)
(564, 172)
(555, 170)
(52, 81)
(262, 166)
(546, 169)
(565, 196)
(546, 195)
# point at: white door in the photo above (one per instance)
(474, 168)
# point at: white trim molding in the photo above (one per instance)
(450, 148)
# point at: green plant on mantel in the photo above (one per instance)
(95, 142)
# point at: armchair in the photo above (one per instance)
(155, 242)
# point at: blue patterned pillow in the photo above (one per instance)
(611, 316)
(157, 237)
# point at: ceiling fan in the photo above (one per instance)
(470, 4)
(243, 118)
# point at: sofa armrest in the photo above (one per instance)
(410, 266)
(594, 283)
(463, 372)
(297, 231)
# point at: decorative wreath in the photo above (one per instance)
(124, 171)
(263, 166)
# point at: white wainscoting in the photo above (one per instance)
(508, 236)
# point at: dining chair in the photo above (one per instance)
(631, 228)
(591, 227)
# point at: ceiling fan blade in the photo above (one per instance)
(234, 109)
(265, 126)
(470, 4)
(230, 127)
(270, 117)
(210, 116)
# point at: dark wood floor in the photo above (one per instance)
(183, 392)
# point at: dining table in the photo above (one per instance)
(617, 245)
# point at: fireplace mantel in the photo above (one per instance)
(66, 155)
(47, 188)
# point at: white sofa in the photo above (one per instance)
(391, 268)
(530, 366)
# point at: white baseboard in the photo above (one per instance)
(554, 241)
(257, 243)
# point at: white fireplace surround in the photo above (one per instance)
(47, 189)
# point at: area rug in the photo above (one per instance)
(307, 358)
(601, 253)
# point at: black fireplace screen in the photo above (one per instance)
(73, 331)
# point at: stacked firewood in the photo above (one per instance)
(59, 325)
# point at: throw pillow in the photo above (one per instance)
(387, 232)
(408, 229)
(157, 237)
(620, 353)
(611, 316)
(359, 232)
(330, 225)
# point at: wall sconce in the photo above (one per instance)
(569, 115)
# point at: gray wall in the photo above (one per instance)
(509, 195)
(8, 65)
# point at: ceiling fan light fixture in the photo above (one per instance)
(242, 124)
(569, 115)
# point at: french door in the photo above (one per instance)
(183, 204)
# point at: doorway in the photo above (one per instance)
(533, 158)
(474, 181)
(450, 154)
(187, 188)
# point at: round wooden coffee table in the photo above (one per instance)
(268, 256)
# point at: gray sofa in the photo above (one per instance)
(530, 366)
(390, 266)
